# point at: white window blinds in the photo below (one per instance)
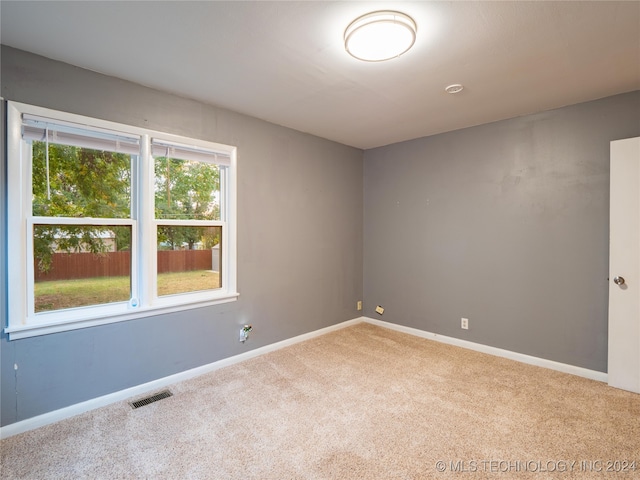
(42, 129)
(161, 148)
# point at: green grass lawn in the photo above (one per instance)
(60, 294)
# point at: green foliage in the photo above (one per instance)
(81, 183)
(211, 237)
(186, 190)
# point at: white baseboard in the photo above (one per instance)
(78, 408)
(498, 352)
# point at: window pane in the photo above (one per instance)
(186, 189)
(189, 259)
(80, 182)
(80, 265)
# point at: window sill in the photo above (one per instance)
(33, 330)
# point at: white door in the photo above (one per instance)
(624, 266)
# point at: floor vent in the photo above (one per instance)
(153, 398)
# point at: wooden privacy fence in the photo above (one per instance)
(67, 266)
(183, 260)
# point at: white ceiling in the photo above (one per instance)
(285, 62)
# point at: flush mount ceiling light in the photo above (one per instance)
(380, 36)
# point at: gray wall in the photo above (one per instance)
(299, 245)
(505, 224)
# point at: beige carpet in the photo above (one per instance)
(360, 403)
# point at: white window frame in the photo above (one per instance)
(23, 322)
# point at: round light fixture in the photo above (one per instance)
(455, 88)
(380, 36)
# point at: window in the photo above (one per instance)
(109, 222)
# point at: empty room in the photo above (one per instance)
(319, 240)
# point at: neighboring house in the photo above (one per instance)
(107, 237)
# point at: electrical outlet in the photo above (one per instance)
(359, 305)
(464, 323)
(244, 333)
(379, 310)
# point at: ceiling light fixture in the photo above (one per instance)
(379, 36)
(455, 88)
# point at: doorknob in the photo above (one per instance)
(618, 280)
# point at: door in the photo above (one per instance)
(624, 266)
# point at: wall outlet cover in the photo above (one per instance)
(379, 310)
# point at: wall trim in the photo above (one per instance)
(82, 407)
(498, 352)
